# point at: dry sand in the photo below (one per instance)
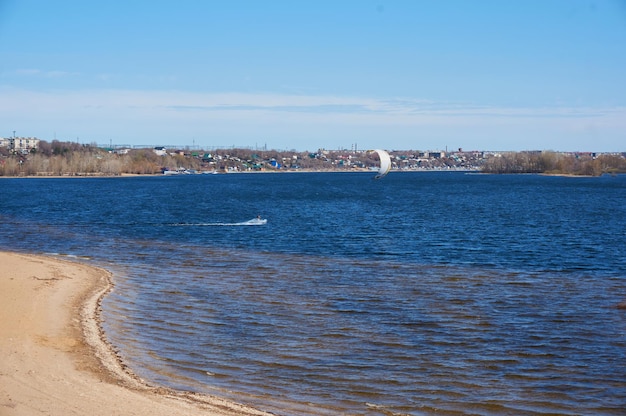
(53, 359)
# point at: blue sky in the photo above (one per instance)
(303, 75)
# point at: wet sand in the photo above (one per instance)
(55, 360)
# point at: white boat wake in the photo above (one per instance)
(254, 221)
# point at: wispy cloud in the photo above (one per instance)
(163, 114)
(270, 102)
(44, 73)
(189, 102)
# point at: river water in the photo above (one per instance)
(421, 293)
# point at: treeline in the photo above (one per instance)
(555, 163)
(73, 159)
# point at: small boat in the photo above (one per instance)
(256, 221)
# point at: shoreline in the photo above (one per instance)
(56, 359)
(301, 171)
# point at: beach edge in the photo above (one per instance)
(49, 303)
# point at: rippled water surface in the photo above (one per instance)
(418, 294)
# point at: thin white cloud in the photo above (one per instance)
(158, 116)
(176, 102)
(29, 72)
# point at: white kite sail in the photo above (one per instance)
(385, 163)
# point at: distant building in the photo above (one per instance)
(20, 144)
(432, 155)
(160, 150)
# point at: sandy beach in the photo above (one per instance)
(54, 358)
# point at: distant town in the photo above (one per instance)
(29, 156)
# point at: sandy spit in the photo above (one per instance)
(54, 359)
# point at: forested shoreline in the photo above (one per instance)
(556, 163)
(73, 159)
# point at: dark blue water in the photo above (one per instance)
(418, 294)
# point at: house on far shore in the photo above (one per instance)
(160, 150)
(20, 144)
